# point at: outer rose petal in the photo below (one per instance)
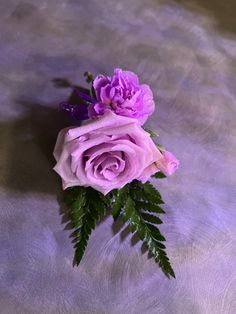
(148, 172)
(121, 139)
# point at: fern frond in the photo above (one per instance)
(143, 223)
(151, 218)
(159, 175)
(87, 207)
(149, 207)
(151, 193)
(120, 200)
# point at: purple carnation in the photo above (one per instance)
(123, 95)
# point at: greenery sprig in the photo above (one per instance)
(136, 204)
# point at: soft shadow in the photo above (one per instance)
(64, 212)
(120, 227)
(28, 145)
(117, 226)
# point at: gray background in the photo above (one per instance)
(187, 53)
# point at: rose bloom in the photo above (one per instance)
(168, 164)
(123, 95)
(105, 154)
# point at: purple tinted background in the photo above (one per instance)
(188, 55)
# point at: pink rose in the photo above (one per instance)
(105, 154)
(168, 164)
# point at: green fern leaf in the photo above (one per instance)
(120, 200)
(152, 134)
(128, 209)
(151, 218)
(159, 175)
(143, 223)
(71, 194)
(164, 263)
(152, 194)
(150, 207)
(155, 232)
(87, 207)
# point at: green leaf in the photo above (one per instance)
(152, 134)
(97, 205)
(164, 263)
(107, 199)
(151, 218)
(155, 232)
(160, 147)
(129, 209)
(152, 194)
(87, 207)
(120, 201)
(150, 207)
(71, 194)
(159, 175)
(144, 197)
(145, 192)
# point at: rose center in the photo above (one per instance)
(108, 165)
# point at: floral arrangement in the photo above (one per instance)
(107, 160)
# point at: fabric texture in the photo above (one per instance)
(187, 54)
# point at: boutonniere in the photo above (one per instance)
(106, 162)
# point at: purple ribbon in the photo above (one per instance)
(78, 111)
